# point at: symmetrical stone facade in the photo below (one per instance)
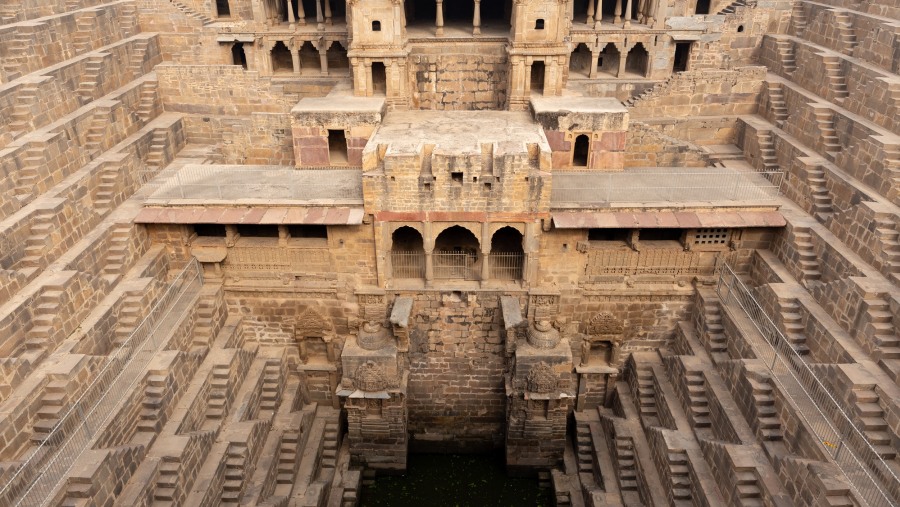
(251, 250)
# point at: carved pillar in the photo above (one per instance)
(370, 89)
(618, 18)
(627, 14)
(476, 20)
(527, 77)
(323, 61)
(623, 59)
(593, 72)
(295, 59)
(428, 244)
(439, 21)
(320, 21)
(301, 14)
(590, 12)
(290, 12)
(327, 12)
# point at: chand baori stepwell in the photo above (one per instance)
(257, 251)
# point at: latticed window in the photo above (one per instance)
(712, 236)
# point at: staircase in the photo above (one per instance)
(17, 53)
(271, 389)
(698, 401)
(794, 329)
(52, 408)
(880, 329)
(288, 458)
(646, 399)
(830, 142)
(204, 19)
(748, 490)
(217, 400)
(733, 7)
(167, 481)
(28, 176)
(714, 330)
(127, 320)
(117, 253)
(845, 30)
(90, 78)
(627, 471)
(39, 239)
(798, 19)
(808, 259)
(889, 237)
(836, 80)
(22, 114)
(82, 39)
(767, 154)
(656, 90)
(93, 140)
(136, 63)
(45, 314)
(147, 105)
(329, 452)
(873, 423)
(584, 446)
(768, 424)
(820, 197)
(107, 190)
(785, 50)
(777, 103)
(151, 404)
(679, 478)
(156, 156)
(203, 327)
(235, 461)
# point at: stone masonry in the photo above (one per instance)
(253, 251)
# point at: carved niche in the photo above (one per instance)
(542, 379)
(313, 334)
(605, 332)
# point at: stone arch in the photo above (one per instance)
(336, 54)
(638, 60)
(282, 61)
(437, 229)
(608, 59)
(493, 228)
(407, 253)
(605, 323)
(310, 62)
(457, 254)
(581, 150)
(507, 239)
(580, 61)
(400, 225)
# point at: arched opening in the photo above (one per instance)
(338, 63)
(580, 151)
(238, 56)
(457, 255)
(281, 59)
(507, 255)
(310, 62)
(702, 7)
(496, 14)
(608, 61)
(379, 78)
(407, 253)
(682, 55)
(337, 147)
(537, 77)
(637, 60)
(539, 24)
(580, 62)
(223, 10)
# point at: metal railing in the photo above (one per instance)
(682, 185)
(455, 265)
(46, 466)
(506, 265)
(408, 264)
(234, 182)
(872, 479)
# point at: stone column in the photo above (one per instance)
(593, 73)
(290, 12)
(295, 59)
(428, 244)
(590, 12)
(370, 89)
(301, 14)
(323, 61)
(476, 20)
(623, 59)
(527, 77)
(327, 12)
(618, 18)
(439, 21)
(627, 14)
(320, 21)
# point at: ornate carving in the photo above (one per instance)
(370, 377)
(311, 323)
(543, 335)
(605, 323)
(372, 336)
(542, 379)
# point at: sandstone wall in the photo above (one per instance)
(471, 77)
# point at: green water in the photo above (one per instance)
(455, 480)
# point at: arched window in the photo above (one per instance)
(507, 256)
(281, 58)
(637, 60)
(457, 254)
(223, 10)
(407, 253)
(608, 61)
(376, 26)
(539, 24)
(580, 62)
(581, 150)
(238, 56)
(702, 7)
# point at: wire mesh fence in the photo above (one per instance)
(408, 264)
(46, 466)
(871, 477)
(506, 265)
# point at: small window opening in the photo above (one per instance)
(337, 147)
(702, 7)
(682, 55)
(456, 177)
(238, 56)
(740, 28)
(609, 234)
(660, 235)
(213, 230)
(376, 26)
(223, 9)
(258, 231)
(539, 24)
(308, 231)
(580, 153)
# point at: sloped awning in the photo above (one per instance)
(250, 215)
(666, 219)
